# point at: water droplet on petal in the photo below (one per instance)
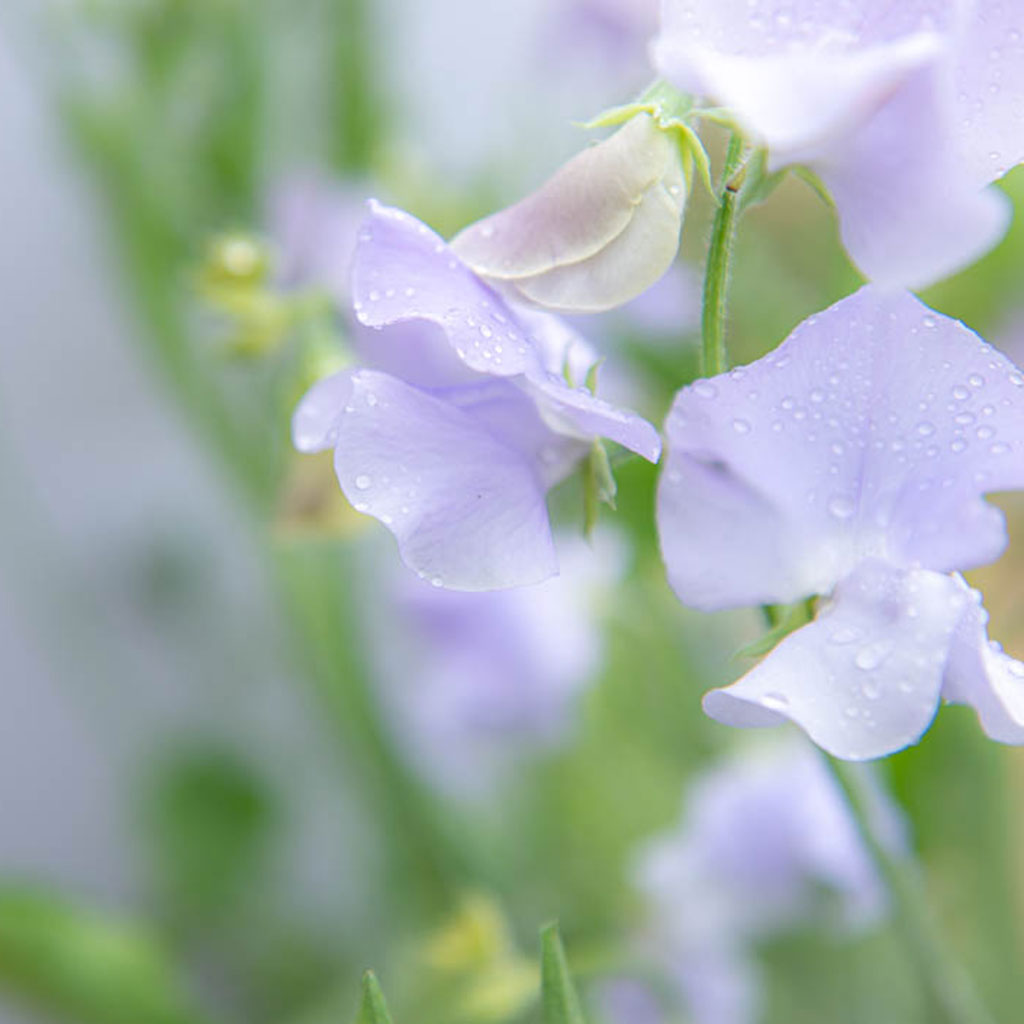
(741, 426)
(841, 507)
(363, 482)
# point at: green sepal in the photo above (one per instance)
(672, 111)
(372, 1009)
(785, 619)
(599, 487)
(560, 1002)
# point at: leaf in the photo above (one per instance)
(559, 1000)
(373, 1009)
(599, 485)
(80, 964)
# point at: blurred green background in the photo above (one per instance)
(205, 814)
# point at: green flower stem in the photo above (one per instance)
(716, 278)
(948, 988)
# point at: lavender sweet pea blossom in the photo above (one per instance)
(851, 463)
(474, 684)
(905, 111)
(461, 421)
(766, 844)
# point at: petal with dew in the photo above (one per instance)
(910, 212)
(315, 421)
(873, 430)
(984, 677)
(595, 235)
(467, 510)
(989, 86)
(403, 271)
(863, 680)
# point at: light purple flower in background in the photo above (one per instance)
(462, 420)
(851, 463)
(475, 683)
(906, 111)
(314, 223)
(765, 845)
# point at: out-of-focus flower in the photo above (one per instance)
(905, 111)
(851, 463)
(765, 845)
(462, 420)
(599, 232)
(477, 682)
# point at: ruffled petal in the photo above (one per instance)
(315, 421)
(466, 509)
(599, 232)
(578, 413)
(910, 211)
(403, 271)
(989, 86)
(873, 430)
(981, 675)
(863, 679)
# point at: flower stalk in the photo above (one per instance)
(948, 988)
(714, 359)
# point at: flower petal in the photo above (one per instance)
(981, 675)
(315, 421)
(910, 212)
(863, 679)
(874, 429)
(990, 89)
(798, 103)
(404, 271)
(466, 509)
(599, 232)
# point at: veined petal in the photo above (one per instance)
(910, 211)
(981, 675)
(466, 509)
(403, 271)
(315, 421)
(863, 679)
(873, 430)
(600, 231)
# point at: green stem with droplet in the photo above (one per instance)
(948, 988)
(714, 359)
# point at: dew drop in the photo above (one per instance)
(741, 426)
(705, 389)
(976, 380)
(870, 657)
(960, 392)
(925, 428)
(840, 507)
(363, 482)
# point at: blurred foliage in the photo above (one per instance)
(181, 141)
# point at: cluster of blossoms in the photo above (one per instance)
(847, 468)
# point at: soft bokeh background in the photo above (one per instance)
(215, 805)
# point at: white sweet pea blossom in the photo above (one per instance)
(598, 233)
(906, 111)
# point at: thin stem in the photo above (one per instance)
(716, 277)
(950, 992)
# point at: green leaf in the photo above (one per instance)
(79, 964)
(373, 1009)
(560, 1002)
(599, 485)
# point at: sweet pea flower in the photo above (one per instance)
(462, 419)
(851, 463)
(765, 845)
(598, 233)
(905, 111)
(474, 684)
